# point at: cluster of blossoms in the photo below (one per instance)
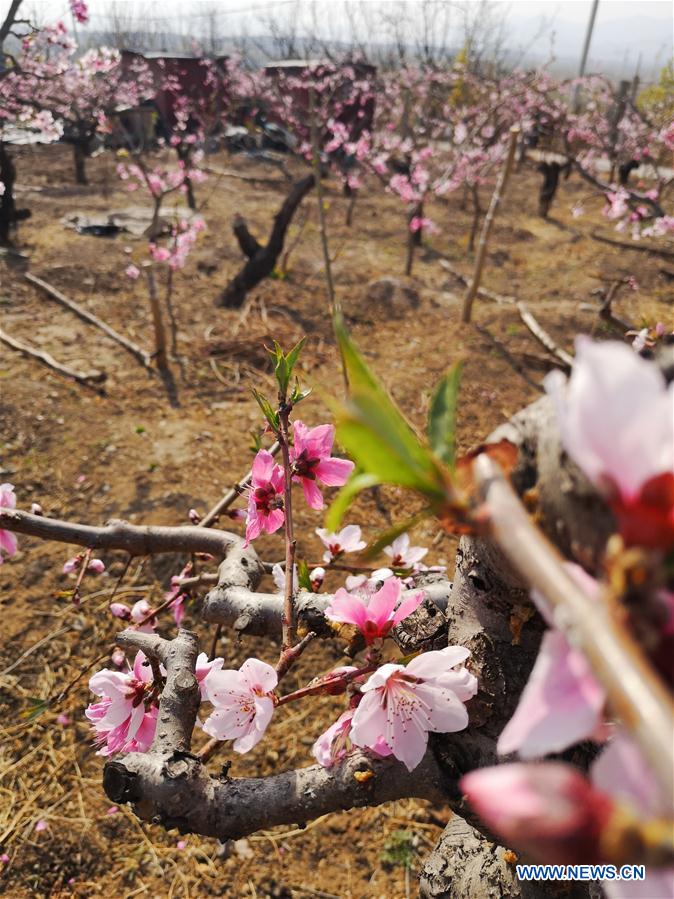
(312, 463)
(161, 180)
(391, 710)
(183, 238)
(390, 713)
(124, 719)
(616, 420)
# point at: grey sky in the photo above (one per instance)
(627, 32)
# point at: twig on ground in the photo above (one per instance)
(543, 337)
(87, 379)
(138, 353)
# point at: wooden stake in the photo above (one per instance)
(159, 335)
(487, 224)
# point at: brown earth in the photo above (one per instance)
(132, 454)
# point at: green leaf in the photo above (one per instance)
(442, 416)
(37, 707)
(375, 433)
(293, 355)
(303, 579)
(284, 364)
(298, 394)
(356, 483)
(267, 410)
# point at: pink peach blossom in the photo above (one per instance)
(316, 578)
(562, 702)
(265, 497)
(8, 542)
(616, 419)
(348, 540)
(125, 717)
(334, 743)
(204, 668)
(120, 610)
(402, 704)
(140, 611)
(403, 555)
(548, 810)
(374, 615)
(73, 564)
(312, 461)
(243, 703)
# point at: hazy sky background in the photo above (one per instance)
(627, 32)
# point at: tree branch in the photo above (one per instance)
(90, 318)
(137, 540)
(249, 245)
(261, 614)
(87, 379)
(170, 786)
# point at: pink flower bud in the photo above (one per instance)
(96, 566)
(40, 826)
(316, 578)
(194, 516)
(117, 658)
(36, 509)
(547, 810)
(132, 271)
(120, 610)
(63, 719)
(72, 564)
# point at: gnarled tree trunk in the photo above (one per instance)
(262, 259)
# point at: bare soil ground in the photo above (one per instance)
(132, 454)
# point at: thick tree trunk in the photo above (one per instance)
(465, 865)
(9, 214)
(80, 156)
(262, 259)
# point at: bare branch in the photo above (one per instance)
(499, 190)
(262, 263)
(543, 337)
(87, 379)
(137, 540)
